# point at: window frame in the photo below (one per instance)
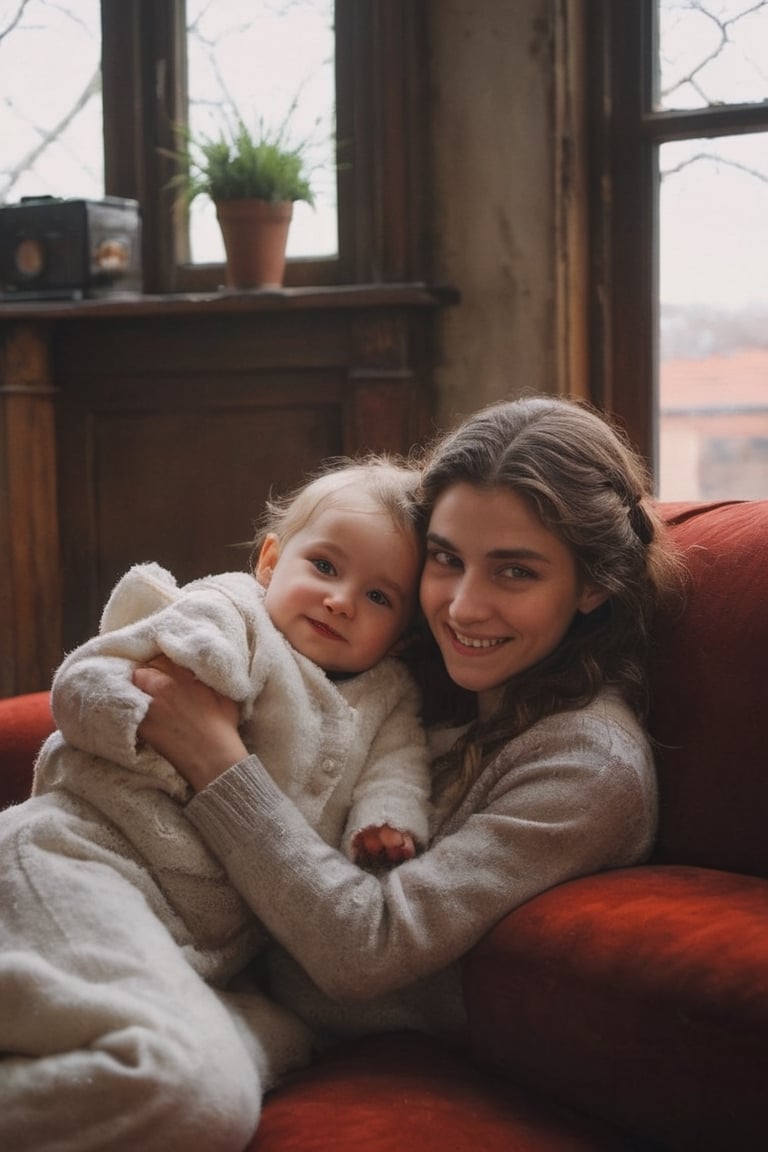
(381, 103)
(625, 134)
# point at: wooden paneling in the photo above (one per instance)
(175, 418)
(30, 623)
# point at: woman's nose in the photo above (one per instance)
(468, 604)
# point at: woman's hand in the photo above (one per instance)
(192, 726)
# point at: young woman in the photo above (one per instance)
(545, 566)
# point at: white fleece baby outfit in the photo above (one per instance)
(112, 909)
(349, 754)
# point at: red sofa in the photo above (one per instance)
(622, 1011)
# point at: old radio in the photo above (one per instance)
(69, 249)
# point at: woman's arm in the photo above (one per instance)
(357, 935)
(572, 796)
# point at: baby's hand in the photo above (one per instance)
(383, 845)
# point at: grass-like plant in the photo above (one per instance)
(241, 165)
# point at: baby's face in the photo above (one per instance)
(342, 590)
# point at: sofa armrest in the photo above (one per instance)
(639, 995)
(25, 721)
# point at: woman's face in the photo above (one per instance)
(499, 590)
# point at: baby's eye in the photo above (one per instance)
(379, 598)
(324, 566)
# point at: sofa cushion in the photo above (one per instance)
(709, 698)
(386, 1093)
(640, 995)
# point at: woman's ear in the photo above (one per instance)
(267, 561)
(592, 596)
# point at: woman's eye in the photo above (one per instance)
(324, 566)
(439, 556)
(515, 572)
(379, 598)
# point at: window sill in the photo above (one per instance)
(231, 302)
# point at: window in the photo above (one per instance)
(680, 229)
(51, 129)
(358, 63)
(378, 83)
(268, 64)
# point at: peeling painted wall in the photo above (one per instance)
(493, 172)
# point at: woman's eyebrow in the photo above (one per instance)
(441, 541)
(518, 554)
(495, 553)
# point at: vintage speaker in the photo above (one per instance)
(69, 249)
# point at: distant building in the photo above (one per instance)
(713, 427)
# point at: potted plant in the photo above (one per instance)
(253, 181)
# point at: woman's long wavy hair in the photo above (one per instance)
(589, 487)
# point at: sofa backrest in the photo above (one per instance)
(25, 721)
(709, 690)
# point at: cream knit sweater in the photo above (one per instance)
(573, 795)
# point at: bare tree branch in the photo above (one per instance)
(28, 160)
(724, 28)
(14, 20)
(715, 159)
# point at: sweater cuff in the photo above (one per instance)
(224, 811)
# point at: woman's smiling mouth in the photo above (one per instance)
(476, 642)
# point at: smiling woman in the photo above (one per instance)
(546, 564)
(555, 783)
(537, 512)
(503, 598)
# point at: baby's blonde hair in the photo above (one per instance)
(390, 481)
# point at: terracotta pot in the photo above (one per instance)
(255, 234)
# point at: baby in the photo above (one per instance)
(303, 646)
